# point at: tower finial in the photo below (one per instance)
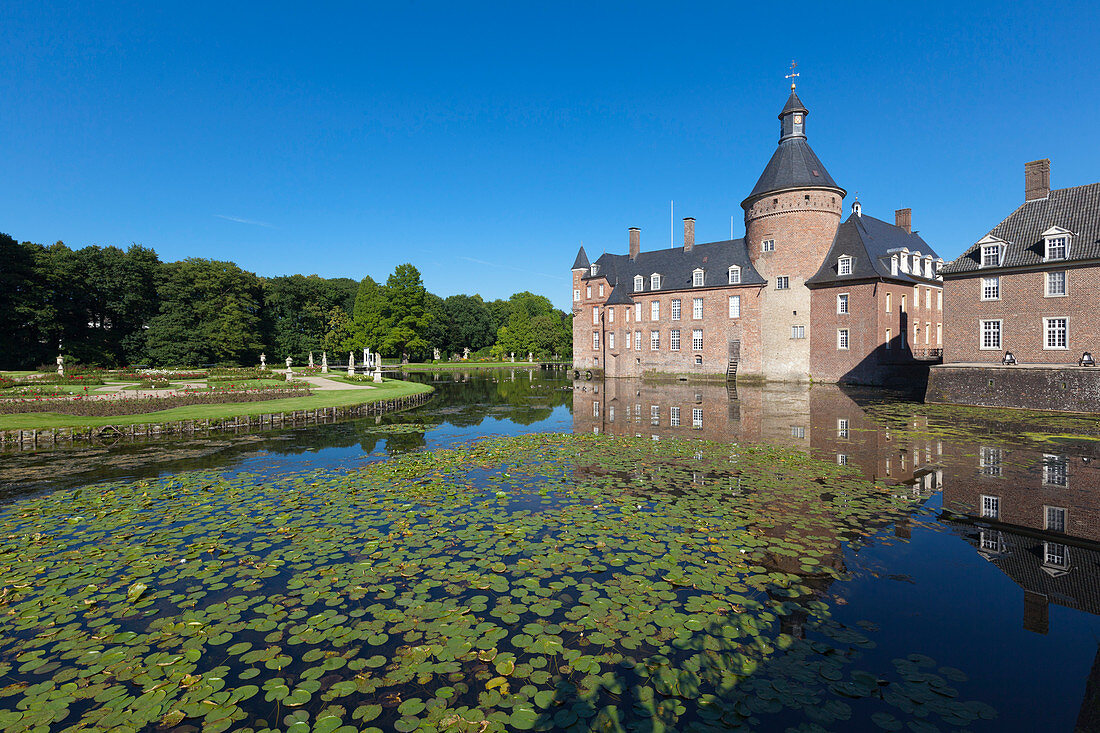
(793, 73)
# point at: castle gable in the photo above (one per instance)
(675, 266)
(871, 244)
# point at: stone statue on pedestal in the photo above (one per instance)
(311, 360)
(351, 363)
(263, 361)
(61, 365)
(324, 362)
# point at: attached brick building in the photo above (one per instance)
(802, 296)
(1030, 285)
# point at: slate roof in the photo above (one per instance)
(620, 295)
(581, 263)
(675, 266)
(794, 104)
(1076, 209)
(868, 242)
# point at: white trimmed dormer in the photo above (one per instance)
(698, 277)
(991, 251)
(655, 281)
(1056, 244)
(639, 283)
(594, 269)
(844, 265)
(735, 275)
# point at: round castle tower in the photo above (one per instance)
(791, 217)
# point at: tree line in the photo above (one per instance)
(109, 307)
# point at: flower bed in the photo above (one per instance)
(80, 405)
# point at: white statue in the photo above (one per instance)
(513, 354)
(351, 363)
(263, 361)
(435, 354)
(289, 361)
(366, 358)
(324, 362)
(61, 365)
(530, 356)
(466, 353)
(378, 368)
(311, 360)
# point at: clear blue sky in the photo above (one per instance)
(484, 143)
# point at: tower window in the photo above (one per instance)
(768, 245)
(782, 283)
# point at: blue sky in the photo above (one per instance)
(485, 142)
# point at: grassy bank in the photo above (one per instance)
(337, 398)
(430, 367)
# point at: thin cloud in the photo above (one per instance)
(239, 220)
(509, 267)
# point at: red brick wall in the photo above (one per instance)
(1021, 308)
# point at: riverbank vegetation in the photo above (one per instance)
(111, 307)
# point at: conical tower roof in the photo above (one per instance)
(581, 263)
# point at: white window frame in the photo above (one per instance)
(696, 417)
(654, 340)
(595, 340)
(844, 265)
(1056, 555)
(1062, 518)
(639, 283)
(676, 309)
(595, 315)
(674, 417)
(595, 409)
(889, 337)
(998, 332)
(595, 269)
(638, 312)
(1056, 243)
(768, 245)
(610, 315)
(698, 277)
(1050, 329)
(990, 506)
(992, 255)
(655, 281)
(991, 288)
(843, 339)
(991, 461)
(696, 339)
(654, 310)
(674, 340)
(587, 291)
(611, 340)
(637, 340)
(842, 304)
(696, 309)
(843, 427)
(1055, 470)
(600, 290)
(782, 282)
(735, 275)
(888, 302)
(1049, 279)
(576, 295)
(735, 306)
(798, 332)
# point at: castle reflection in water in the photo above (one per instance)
(1033, 514)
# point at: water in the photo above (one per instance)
(1004, 587)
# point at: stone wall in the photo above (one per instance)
(1070, 389)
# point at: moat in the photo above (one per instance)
(528, 551)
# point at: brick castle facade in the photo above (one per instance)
(805, 295)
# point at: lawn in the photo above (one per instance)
(320, 399)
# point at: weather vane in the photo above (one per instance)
(793, 74)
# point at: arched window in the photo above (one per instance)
(639, 283)
(698, 361)
(697, 278)
(655, 281)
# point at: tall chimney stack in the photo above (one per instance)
(1037, 179)
(903, 219)
(689, 233)
(635, 242)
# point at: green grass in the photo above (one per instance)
(337, 398)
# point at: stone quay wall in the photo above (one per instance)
(1067, 389)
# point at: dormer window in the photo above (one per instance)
(639, 283)
(1056, 248)
(595, 270)
(844, 266)
(697, 278)
(991, 255)
(735, 275)
(654, 282)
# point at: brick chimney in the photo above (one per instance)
(903, 219)
(635, 242)
(1037, 179)
(689, 233)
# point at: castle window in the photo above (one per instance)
(674, 417)
(588, 291)
(888, 302)
(696, 414)
(697, 278)
(639, 283)
(842, 303)
(674, 340)
(595, 409)
(735, 275)
(1055, 519)
(675, 309)
(611, 340)
(610, 315)
(768, 245)
(1056, 284)
(576, 295)
(842, 427)
(782, 283)
(637, 311)
(595, 316)
(991, 507)
(698, 361)
(735, 306)
(991, 335)
(798, 332)
(844, 266)
(696, 339)
(696, 308)
(1055, 470)
(601, 290)
(1055, 554)
(638, 341)
(991, 255)
(991, 461)
(1055, 330)
(655, 310)
(1056, 248)
(595, 339)
(595, 270)
(842, 339)
(889, 336)
(654, 340)
(991, 288)
(654, 282)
